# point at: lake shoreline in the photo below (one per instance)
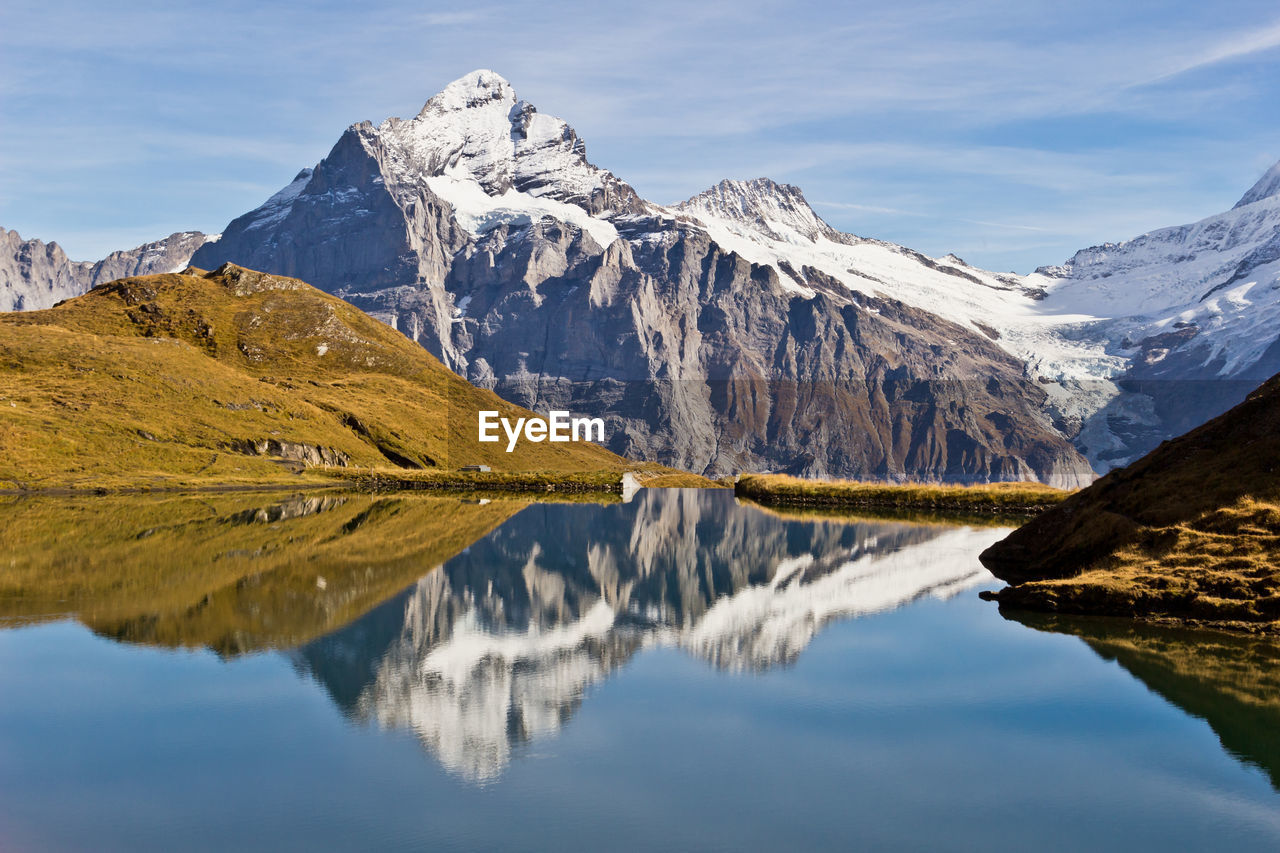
(1014, 500)
(1153, 605)
(401, 480)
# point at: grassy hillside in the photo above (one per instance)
(253, 570)
(1190, 532)
(234, 377)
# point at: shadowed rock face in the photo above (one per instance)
(499, 645)
(36, 275)
(707, 362)
(480, 230)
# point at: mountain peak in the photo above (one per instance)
(477, 132)
(778, 211)
(477, 89)
(1266, 187)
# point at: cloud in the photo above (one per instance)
(453, 19)
(867, 208)
(938, 121)
(1235, 46)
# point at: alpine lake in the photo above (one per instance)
(681, 671)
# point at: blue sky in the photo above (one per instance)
(1009, 133)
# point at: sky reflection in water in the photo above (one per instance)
(680, 671)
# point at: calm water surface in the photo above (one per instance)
(677, 672)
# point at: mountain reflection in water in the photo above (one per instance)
(498, 646)
(236, 573)
(1230, 682)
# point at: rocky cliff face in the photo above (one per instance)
(735, 331)
(35, 275)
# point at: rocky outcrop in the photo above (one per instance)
(36, 275)
(480, 230)
(168, 255)
(290, 451)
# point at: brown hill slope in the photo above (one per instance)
(1190, 532)
(234, 376)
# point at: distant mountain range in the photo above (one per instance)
(738, 331)
(36, 275)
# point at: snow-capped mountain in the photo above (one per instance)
(734, 331)
(35, 275)
(1268, 186)
(737, 330)
(1191, 315)
(500, 645)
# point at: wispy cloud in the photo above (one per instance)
(944, 124)
(866, 208)
(1234, 46)
(455, 18)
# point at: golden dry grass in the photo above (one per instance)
(652, 477)
(1220, 569)
(150, 382)
(1189, 533)
(1014, 498)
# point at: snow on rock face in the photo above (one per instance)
(492, 157)
(479, 212)
(412, 217)
(771, 224)
(476, 131)
(759, 207)
(1267, 186)
(276, 208)
(1190, 312)
(1216, 281)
